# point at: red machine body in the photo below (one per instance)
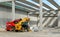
(11, 24)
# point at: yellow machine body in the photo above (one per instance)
(18, 26)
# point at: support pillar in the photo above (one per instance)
(40, 16)
(58, 18)
(13, 10)
(27, 14)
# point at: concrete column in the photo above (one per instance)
(27, 14)
(37, 20)
(58, 18)
(41, 16)
(13, 10)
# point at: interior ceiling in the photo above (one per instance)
(45, 5)
(54, 3)
(36, 7)
(26, 2)
(37, 1)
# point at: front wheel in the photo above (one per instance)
(7, 30)
(13, 28)
(16, 30)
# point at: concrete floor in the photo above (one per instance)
(28, 34)
(44, 33)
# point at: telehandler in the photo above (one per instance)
(18, 25)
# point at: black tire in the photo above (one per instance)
(13, 28)
(8, 30)
(16, 30)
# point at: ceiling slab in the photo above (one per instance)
(7, 4)
(54, 3)
(37, 1)
(25, 6)
(47, 6)
(24, 1)
(43, 5)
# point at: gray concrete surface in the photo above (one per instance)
(44, 33)
(28, 34)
